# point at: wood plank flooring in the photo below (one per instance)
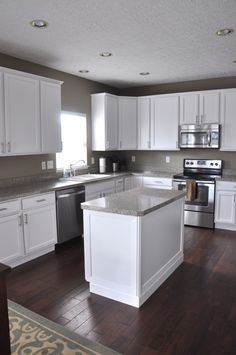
(193, 312)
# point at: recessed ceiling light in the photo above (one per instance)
(144, 73)
(39, 23)
(105, 54)
(84, 71)
(224, 32)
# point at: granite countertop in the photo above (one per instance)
(42, 186)
(228, 178)
(136, 202)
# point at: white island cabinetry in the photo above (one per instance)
(131, 243)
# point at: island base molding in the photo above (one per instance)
(128, 257)
(148, 289)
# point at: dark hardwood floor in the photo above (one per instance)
(193, 312)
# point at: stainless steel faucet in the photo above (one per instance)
(72, 170)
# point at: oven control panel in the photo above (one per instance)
(203, 163)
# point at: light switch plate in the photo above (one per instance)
(43, 165)
(50, 164)
(92, 160)
(167, 159)
(133, 158)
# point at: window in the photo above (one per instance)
(74, 141)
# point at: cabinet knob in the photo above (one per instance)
(25, 218)
(8, 147)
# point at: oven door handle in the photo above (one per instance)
(209, 139)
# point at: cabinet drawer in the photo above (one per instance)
(226, 185)
(38, 200)
(157, 182)
(9, 207)
(99, 187)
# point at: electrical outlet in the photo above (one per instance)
(50, 164)
(43, 165)
(92, 160)
(133, 158)
(167, 159)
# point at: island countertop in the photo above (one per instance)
(136, 202)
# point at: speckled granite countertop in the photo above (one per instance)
(37, 187)
(228, 178)
(136, 202)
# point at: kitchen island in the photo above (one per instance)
(133, 241)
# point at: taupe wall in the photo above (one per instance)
(75, 97)
(146, 159)
(184, 86)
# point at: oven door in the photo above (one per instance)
(204, 197)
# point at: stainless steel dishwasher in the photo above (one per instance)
(69, 213)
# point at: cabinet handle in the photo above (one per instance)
(197, 119)
(8, 147)
(19, 221)
(3, 209)
(2, 147)
(41, 200)
(25, 218)
(120, 144)
(177, 144)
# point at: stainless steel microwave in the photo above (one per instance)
(199, 136)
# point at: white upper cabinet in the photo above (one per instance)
(104, 122)
(29, 114)
(200, 107)
(228, 120)
(164, 122)
(144, 121)
(22, 121)
(50, 94)
(127, 123)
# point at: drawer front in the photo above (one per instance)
(226, 185)
(157, 182)
(9, 207)
(99, 187)
(38, 200)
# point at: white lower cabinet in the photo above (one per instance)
(27, 233)
(225, 207)
(99, 189)
(157, 182)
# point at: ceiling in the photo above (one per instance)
(174, 40)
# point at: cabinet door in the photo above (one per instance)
(127, 123)
(144, 123)
(111, 122)
(119, 185)
(11, 238)
(39, 228)
(210, 107)
(2, 125)
(165, 122)
(50, 100)
(189, 108)
(225, 207)
(228, 115)
(22, 119)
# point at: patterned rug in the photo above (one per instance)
(32, 334)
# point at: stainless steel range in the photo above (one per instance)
(198, 180)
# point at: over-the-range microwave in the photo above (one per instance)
(199, 136)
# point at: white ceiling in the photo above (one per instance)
(174, 40)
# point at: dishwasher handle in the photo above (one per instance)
(70, 194)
